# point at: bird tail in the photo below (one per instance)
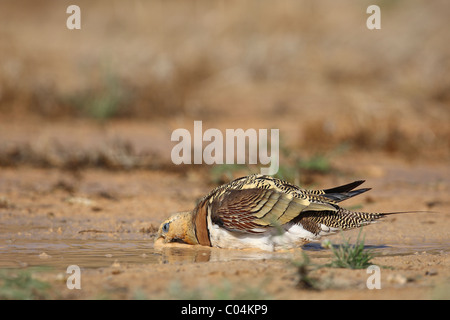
(345, 219)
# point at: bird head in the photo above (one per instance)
(178, 228)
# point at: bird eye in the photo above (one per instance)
(165, 227)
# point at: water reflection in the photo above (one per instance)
(103, 253)
(62, 253)
(206, 254)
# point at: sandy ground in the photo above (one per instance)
(86, 118)
(117, 214)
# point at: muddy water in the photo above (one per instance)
(62, 253)
(100, 253)
(103, 253)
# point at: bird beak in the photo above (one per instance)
(159, 240)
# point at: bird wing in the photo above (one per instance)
(254, 210)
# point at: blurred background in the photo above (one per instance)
(110, 95)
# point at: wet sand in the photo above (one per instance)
(107, 229)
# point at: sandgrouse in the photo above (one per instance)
(259, 211)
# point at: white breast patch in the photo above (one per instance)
(292, 237)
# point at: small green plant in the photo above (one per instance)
(105, 100)
(21, 285)
(293, 166)
(352, 256)
(317, 163)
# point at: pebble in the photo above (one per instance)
(80, 200)
(115, 264)
(397, 278)
(44, 255)
(5, 203)
(431, 272)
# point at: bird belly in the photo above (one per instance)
(271, 240)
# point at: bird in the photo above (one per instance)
(263, 212)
